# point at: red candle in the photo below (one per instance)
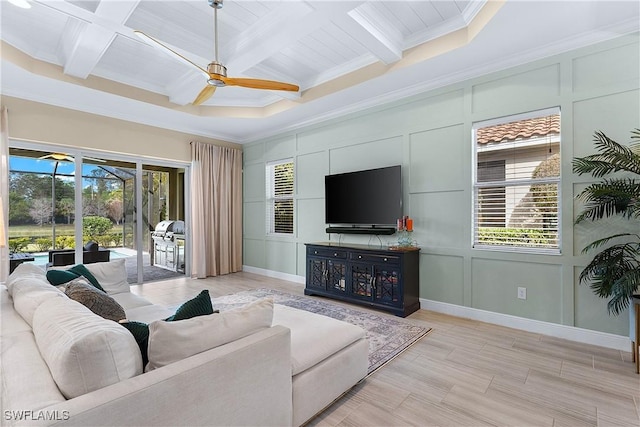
(409, 224)
(399, 224)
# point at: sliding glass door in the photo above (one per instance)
(108, 212)
(41, 204)
(163, 220)
(76, 207)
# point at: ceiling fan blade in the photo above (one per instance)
(259, 84)
(204, 94)
(160, 46)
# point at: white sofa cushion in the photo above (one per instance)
(177, 340)
(10, 320)
(22, 271)
(29, 292)
(314, 337)
(129, 301)
(26, 381)
(147, 313)
(84, 352)
(111, 275)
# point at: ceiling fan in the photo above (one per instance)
(62, 157)
(216, 73)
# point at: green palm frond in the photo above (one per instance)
(604, 241)
(610, 197)
(612, 157)
(626, 285)
(614, 273)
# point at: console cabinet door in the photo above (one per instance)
(387, 285)
(316, 273)
(336, 276)
(361, 283)
(330, 275)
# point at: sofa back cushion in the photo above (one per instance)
(28, 293)
(84, 352)
(22, 271)
(59, 277)
(10, 321)
(112, 275)
(173, 341)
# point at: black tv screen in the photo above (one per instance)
(368, 197)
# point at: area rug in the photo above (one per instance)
(388, 336)
(151, 272)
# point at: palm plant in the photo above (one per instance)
(614, 272)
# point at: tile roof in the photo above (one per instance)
(522, 129)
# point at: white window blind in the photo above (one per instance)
(517, 183)
(279, 186)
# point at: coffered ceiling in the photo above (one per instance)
(344, 55)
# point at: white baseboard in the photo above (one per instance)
(587, 336)
(276, 274)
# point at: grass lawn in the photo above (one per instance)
(32, 232)
(44, 231)
(47, 231)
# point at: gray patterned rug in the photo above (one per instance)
(388, 336)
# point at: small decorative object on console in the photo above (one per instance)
(405, 228)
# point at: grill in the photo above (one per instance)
(168, 245)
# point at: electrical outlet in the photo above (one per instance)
(522, 293)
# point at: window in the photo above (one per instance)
(279, 180)
(517, 182)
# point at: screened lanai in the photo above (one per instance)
(43, 206)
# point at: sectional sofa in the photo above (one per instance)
(62, 364)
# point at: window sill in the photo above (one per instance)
(518, 250)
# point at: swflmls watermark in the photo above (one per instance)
(36, 415)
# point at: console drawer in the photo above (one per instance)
(375, 258)
(327, 252)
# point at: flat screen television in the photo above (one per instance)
(368, 197)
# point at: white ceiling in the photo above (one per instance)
(344, 55)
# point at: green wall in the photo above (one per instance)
(597, 88)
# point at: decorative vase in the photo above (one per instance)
(404, 238)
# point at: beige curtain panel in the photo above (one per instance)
(216, 194)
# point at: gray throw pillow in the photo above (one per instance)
(94, 299)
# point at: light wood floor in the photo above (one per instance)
(466, 373)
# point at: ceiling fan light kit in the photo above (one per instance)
(216, 73)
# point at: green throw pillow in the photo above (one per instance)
(140, 332)
(198, 306)
(60, 277)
